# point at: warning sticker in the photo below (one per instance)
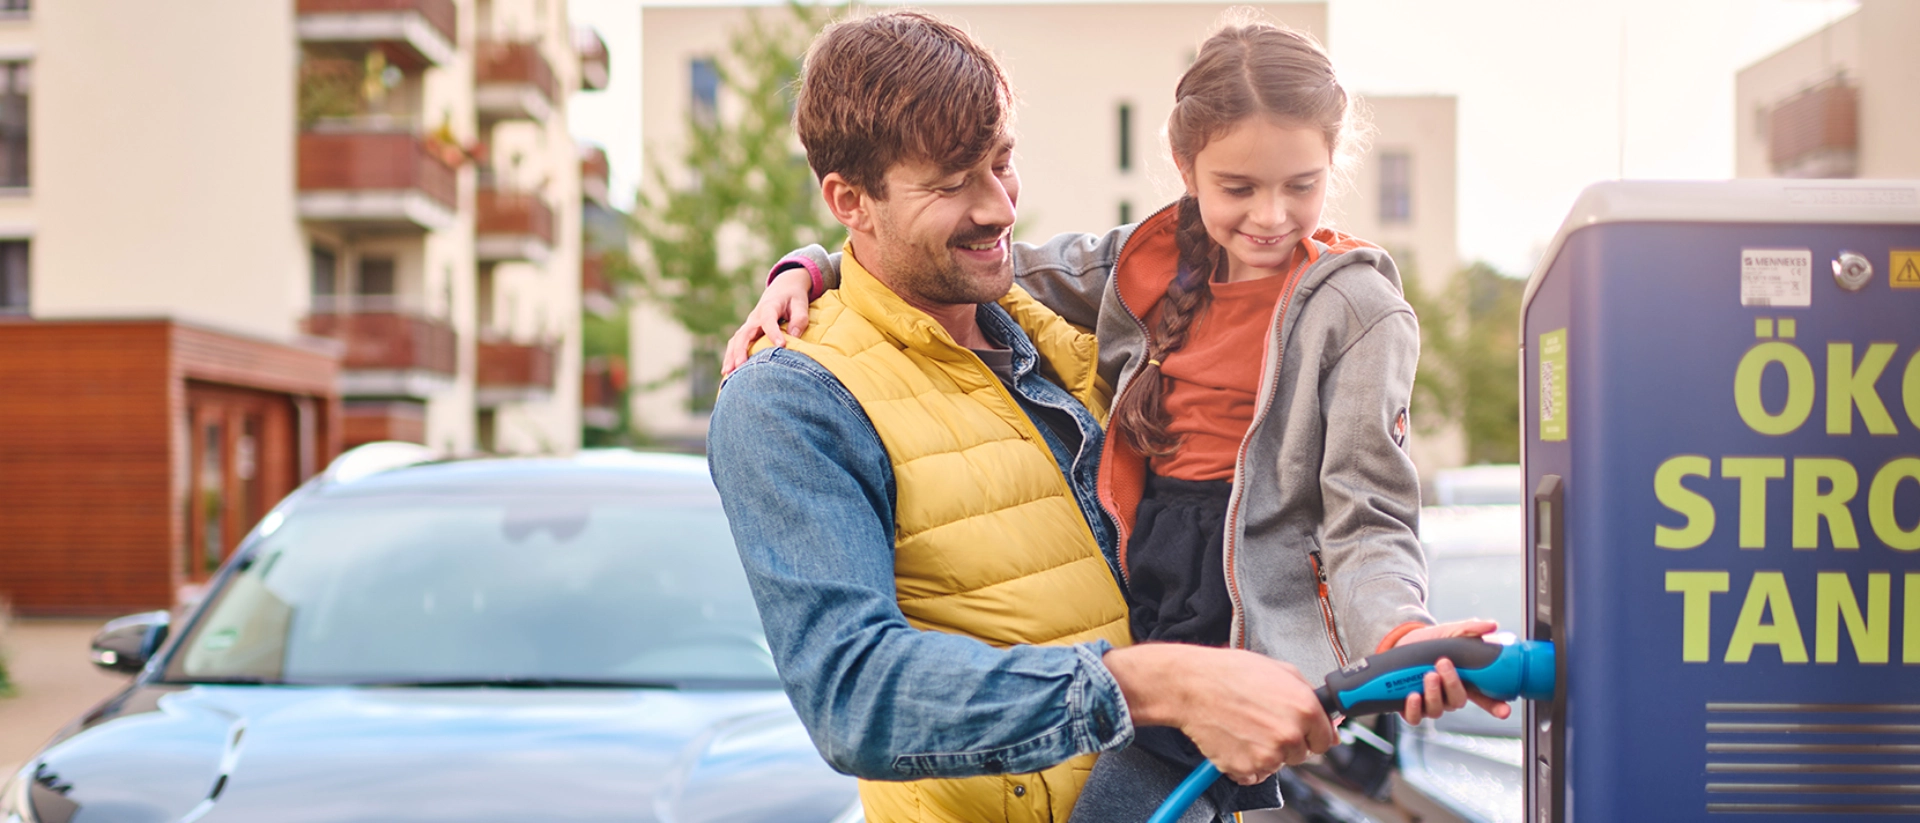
(1776, 277)
(1904, 268)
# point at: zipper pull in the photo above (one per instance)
(1319, 570)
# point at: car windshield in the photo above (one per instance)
(470, 589)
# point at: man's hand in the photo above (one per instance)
(1444, 690)
(784, 299)
(1249, 714)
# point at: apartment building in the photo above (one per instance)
(1091, 150)
(237, 238)
(1837, 103)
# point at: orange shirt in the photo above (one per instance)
(1215, 377)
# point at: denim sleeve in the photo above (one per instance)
(808, 490)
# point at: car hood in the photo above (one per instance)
(330, 755)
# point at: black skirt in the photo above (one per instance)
(1177, 593)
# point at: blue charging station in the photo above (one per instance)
(1722, 437)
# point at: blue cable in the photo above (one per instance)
(1183, 796)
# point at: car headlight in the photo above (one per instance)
(15, 805)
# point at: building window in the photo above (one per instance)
(376, 277)
(1126, 139)
(14, 297)
(325, 275)
(1396, 187)
(16, 80)
(703, 377)
(1126, 212)
(486, 428)
(706, 88)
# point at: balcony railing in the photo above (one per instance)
(415, 33)
(593, 58)
(594, 174)
(512, 226)
(513, 81)
(389, 341)
(375, 177)
(603, 380)
(1816, 133)
(596, 290)
(509, 372)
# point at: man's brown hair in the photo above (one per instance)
(899, 86)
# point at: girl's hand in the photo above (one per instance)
(1444, 690)
(784, 299)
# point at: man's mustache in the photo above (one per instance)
(978, 235)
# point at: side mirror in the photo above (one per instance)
(126, 644)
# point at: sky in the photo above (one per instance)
(1554, 95)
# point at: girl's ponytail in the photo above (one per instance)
(1141, 413)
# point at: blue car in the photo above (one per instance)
(485, 640)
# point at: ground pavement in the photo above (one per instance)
(53, 683)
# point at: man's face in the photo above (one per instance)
(943, 237)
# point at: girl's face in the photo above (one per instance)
(1261, 187)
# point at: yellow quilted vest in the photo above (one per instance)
(990, 543)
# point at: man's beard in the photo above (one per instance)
(928, 273)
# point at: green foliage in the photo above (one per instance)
(1469, 360)
(707, 245)
(6, 685)
(329, 88)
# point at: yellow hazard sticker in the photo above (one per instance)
(1904, 268)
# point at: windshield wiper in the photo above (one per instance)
(526, 683)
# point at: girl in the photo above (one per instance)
(1266, 500)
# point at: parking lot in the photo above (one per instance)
(53, 683)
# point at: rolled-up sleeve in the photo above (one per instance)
(807, 488)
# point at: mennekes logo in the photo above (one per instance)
(1772, 261)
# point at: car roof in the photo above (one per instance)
(396, 471)
(1454, 531)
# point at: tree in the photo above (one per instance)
(1469, 360)
(707, 243)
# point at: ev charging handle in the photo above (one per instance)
(1382, 682)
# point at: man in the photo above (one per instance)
(911, 483)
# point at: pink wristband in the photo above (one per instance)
(819, 286)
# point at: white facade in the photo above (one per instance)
(1075, 68)
(166, 180)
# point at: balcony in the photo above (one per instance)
(596, 291)
(595, 175)
(593, 58)
(415, 34)
(512, 226)
(376, 181)
(1816, 133)
(513, 81)
(509, 372)
(603, 381)
(389, 354)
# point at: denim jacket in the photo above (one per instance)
(809, 491)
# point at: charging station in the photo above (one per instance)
(1722, 438)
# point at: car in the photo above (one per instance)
(410, 639)
(1471, 761)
